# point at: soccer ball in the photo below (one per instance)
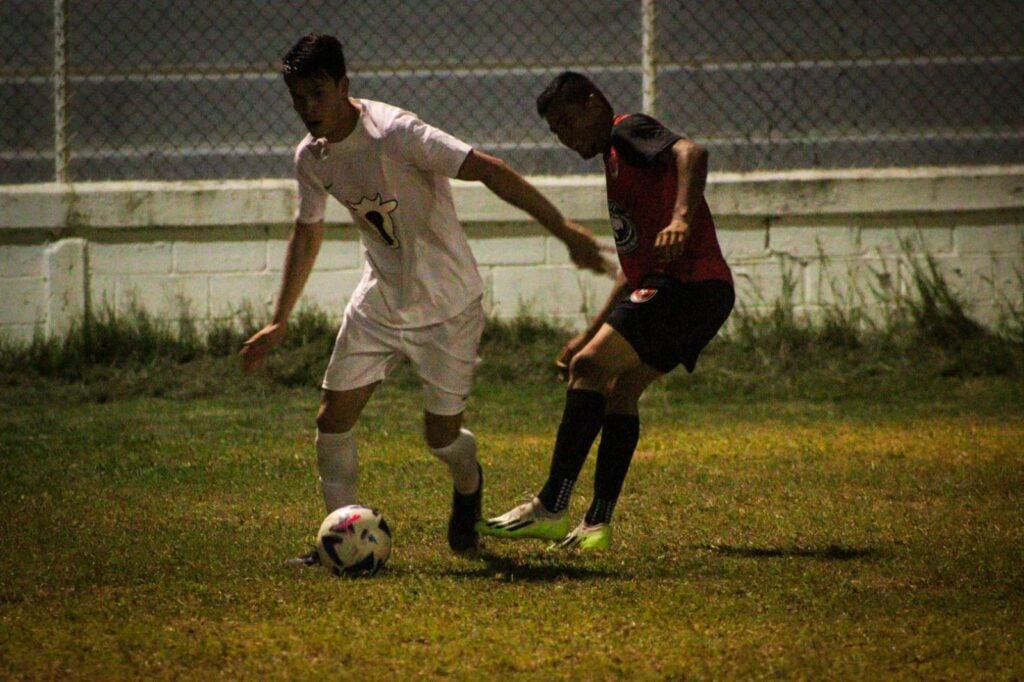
(353, 540)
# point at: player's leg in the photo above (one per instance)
(336, 455)
(591, 372)
(670, 327)
(619, 436)
(456, 447)
(364, 353)
(445, 356)
(620, 432)
(608, 355)
(337, 460)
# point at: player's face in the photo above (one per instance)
(319, 102)
(584, 128)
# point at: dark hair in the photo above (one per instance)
(568, 87)
(314, 55)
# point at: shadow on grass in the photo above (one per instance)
(828, 553)
(512, 569)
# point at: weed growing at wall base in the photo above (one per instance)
(926, 336)
(927, 333)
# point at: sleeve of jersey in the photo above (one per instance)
(640, 139)
(312, 195)
(428, 148)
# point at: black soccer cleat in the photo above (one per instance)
(462, 535)
(310, 558)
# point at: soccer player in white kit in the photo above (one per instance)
(420, 295)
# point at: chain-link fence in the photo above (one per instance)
(177, 89)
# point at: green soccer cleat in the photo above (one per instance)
(585, 537)
(530, 520)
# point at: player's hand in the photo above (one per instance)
(669, 243)
(255, 350)
(586, 252)
(568, 352)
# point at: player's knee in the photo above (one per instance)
(439, 439)
(440, 432)
(587, 367)
(325, 423)
(622, 403)
(332, 421)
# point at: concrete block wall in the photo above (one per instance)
(817, 240)
(869, 263)
(46, 287)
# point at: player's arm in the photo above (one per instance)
(505, 182)
(303, 247)
(691, 161)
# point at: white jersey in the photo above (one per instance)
(392, 174)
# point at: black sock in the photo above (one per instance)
(619, 437)
(581, 422)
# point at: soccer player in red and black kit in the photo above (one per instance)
(672, 295)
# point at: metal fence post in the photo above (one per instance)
(649, 57)
(61, 153)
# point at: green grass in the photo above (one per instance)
(814, 502)
(143, 538)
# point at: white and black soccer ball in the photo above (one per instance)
(354, 540)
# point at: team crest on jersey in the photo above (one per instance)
(378, 213)
(642, 295)
(626, 238)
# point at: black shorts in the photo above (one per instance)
(669, 322)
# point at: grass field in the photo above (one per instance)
(806, 511)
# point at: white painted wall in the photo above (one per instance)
(825, 238)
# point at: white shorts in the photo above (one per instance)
(444, 354)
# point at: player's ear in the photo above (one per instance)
(342, 86)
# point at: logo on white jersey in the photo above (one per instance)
(378, 213)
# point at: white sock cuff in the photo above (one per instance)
(334, 439)
(336, 456)
(338, 465)
(463, 447)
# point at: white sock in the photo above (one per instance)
(460, 456)
(338, 464)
